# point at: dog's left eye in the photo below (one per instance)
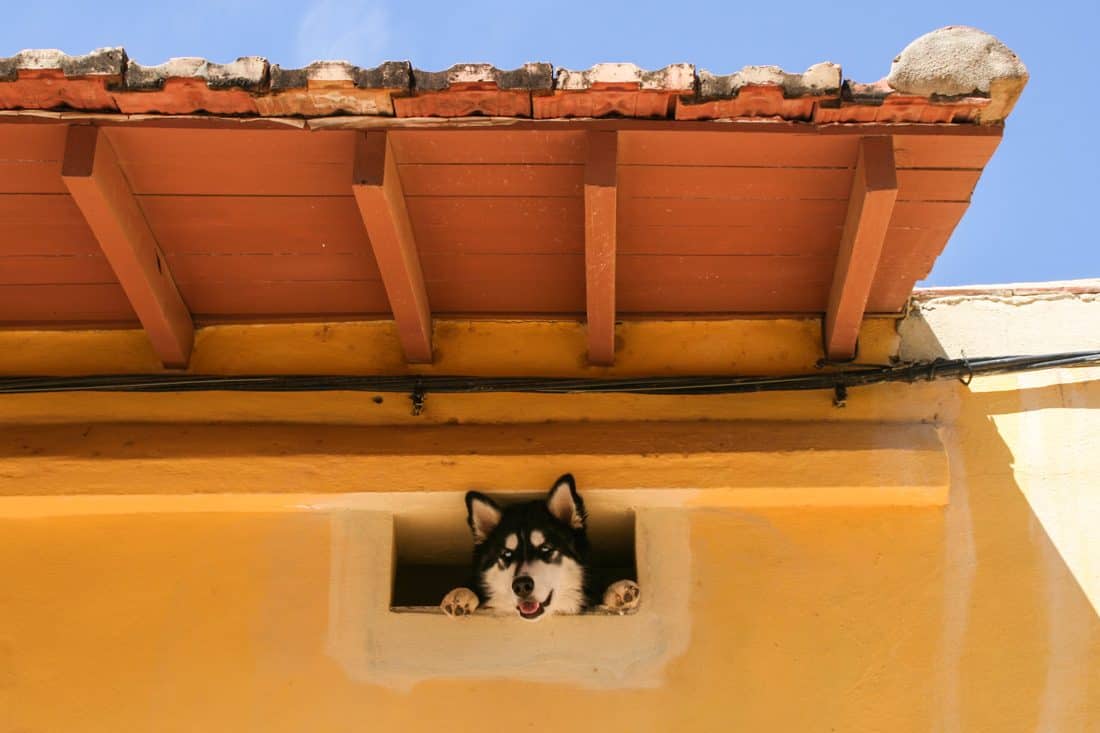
(546, 549)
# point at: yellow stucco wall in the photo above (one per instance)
(159, 609)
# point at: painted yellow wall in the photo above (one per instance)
(159, 608)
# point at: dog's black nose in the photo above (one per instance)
(523, 586)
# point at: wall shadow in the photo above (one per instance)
(1018, 549)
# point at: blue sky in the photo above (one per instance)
(1032, 216)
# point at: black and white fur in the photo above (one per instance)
(531, 559)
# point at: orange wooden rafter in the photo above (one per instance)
(98, 185)
(870, 206)
(378, 192)
(600, 236)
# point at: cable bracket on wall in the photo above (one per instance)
(417, 398)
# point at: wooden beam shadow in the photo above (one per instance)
(870, 206)
(95, 180)
(376, 184)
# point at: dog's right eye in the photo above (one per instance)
(506, 556)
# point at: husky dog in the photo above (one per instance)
(531, 559)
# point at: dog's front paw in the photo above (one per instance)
(622, 596)
(459, 602)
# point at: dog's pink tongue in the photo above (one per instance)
(528, 606)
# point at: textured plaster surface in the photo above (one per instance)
(1004, 321)
(220, 612)
(954, 61)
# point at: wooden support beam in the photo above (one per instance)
(600, 233)
(98, 185)
(874, 190)
(377, 187)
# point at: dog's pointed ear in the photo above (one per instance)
(483, 515)
(565, 503)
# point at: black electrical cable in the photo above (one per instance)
(962, 369)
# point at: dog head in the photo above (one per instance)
(530, 557)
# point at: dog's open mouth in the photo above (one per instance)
(532, 609)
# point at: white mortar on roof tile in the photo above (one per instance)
(824, 75)
(246, 67)
(954, 61)
(100, 61)
(39, 58)
(330, 71)
(820, 78)
(674, 77)
(471, 74)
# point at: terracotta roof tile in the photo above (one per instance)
(388, 75)
(327, 88)
(952, 75)
(879, 102)
(476, 89)
(672, 78)
(620, 90)
(190, 85)
(762, 91)
(533, 77)
(48, 79)
(820, 80)
(182, 95)
(247, 72)
(109, 62)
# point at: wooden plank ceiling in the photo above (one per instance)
(263, 224)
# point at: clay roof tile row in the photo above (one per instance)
(952, 75)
